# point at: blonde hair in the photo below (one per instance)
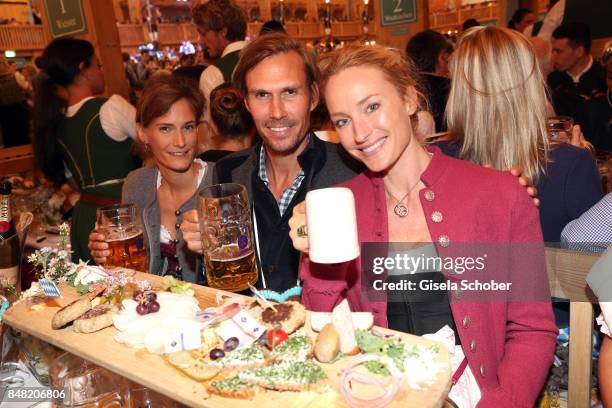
(497, 102)
(396, 69)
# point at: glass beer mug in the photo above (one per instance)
(227, 236)
(121, 227)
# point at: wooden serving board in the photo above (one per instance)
(153, 372)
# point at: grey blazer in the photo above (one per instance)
(140, 188)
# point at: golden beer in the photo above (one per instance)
(127, 253)
(226, 229)
(123, 233)
(231, 274)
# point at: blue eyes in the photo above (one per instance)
(371, 108)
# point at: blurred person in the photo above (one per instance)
(168, 114)
(272, 26)
(496, 113)
(231, 125)
(469, 23)
(152, 16)
(36, 16)
(592, 231)
(187, 60)
(521, 19)
(598, 126)
(430, 51)
(505, 348)
(222, 27)
(130, 71)
(577, 78)
(21, 79)
(142, 68)
(79, 137)
(14, 112)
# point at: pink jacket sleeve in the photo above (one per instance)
(324, 285)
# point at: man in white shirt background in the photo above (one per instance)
(222, 28)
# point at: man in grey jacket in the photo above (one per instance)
(278, 78)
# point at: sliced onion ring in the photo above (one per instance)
(385, 395)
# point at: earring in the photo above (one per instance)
(146, 147)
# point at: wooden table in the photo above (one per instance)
(153, 372)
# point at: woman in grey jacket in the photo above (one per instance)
(168, 114)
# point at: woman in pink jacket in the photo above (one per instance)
(413, 194)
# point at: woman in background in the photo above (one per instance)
(496, 113)
(231, 126)
(80, 137)
(168, 114)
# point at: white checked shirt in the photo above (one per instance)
(289, 193)
(591, 232)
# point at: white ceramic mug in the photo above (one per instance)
(332, 225)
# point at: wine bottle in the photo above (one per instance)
(9, 243)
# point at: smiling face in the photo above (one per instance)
(280, 102)
(371, 118)
(172, 137)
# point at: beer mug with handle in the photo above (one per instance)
(227, 236)
(121, 227)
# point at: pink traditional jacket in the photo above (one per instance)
(509, 345)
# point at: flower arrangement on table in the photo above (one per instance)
(54, 264)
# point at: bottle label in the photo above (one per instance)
(5, 214)
(9, 275)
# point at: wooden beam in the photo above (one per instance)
(102, 33)
(265, 9)
(580, 355)
(135, 11)
(117, 10)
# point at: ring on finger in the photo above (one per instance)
(302, 232)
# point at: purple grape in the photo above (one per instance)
(136, 295)
(142, 309)
(153, 306)
(151, 296)
(216, 354)
(231, 344)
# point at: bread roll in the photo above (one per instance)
(327, 345)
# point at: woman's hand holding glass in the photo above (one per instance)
(190, 227)
(98, 247)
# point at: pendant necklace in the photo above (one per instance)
(400, 209)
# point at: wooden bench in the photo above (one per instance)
(567, 271)
(16, 159)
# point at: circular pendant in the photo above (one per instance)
(400, 210)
